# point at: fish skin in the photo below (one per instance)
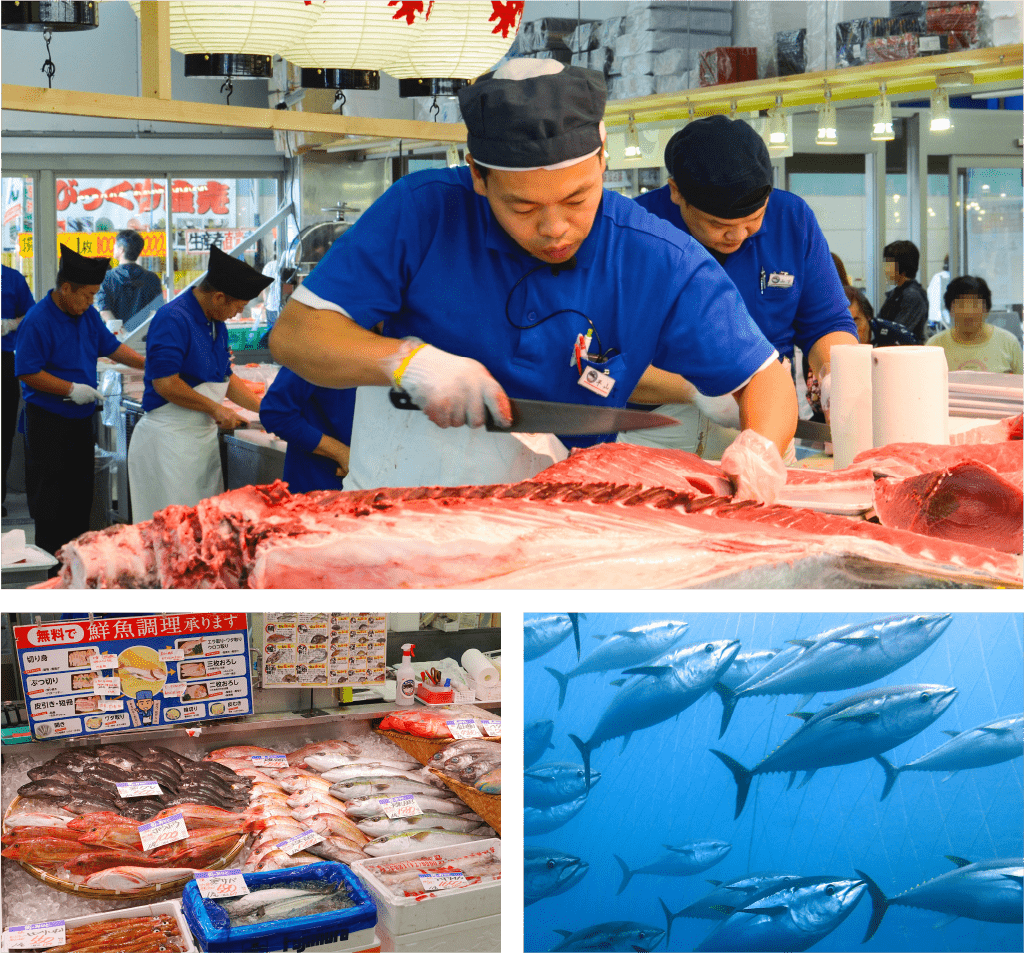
(542, 634)
(987, 890)
(548, 872)
(859, 727)
(250, 902)
(796, 915)
(381, 824)
(682, 861)
(553, 782)
(987, 744)
(728, 897)
(381, 787)
(544, 820)
(489, 783)
(132, 878)
(429, 839)
(537, 740)
(369, 805)
(346, 772)
(613, 935)
(663, 689)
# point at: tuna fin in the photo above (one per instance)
(714, 883)
(792, 778)
(802, 715)
(661, 670)
(669, 917)
(959, 861)
(625, 741)
(729, 700)
(891, 774)
(952, 734)
(574, 618)
(807, 777)
(565, 934)
(563, 684)
(945, 921)
(879, 904)
(619, 682)
(805, 643)
(766, 911)
(585, 751)
(862, 716)
(627, 875)
(998, 731)
(857, 639)
(722, 908)
(742, 776)
(1017, 877)
(948, 776)
(806, 700)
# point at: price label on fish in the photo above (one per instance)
(492, 728)
(107, 686)
(218, 884)
(171, 655)
(464, 728)
(443, 878)
(35, 936)
(138, 789)
(403, 806)
(269, 761)
(100, 662)
(166, 831)
(299, 842)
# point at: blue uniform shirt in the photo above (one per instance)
(429, 259)
(301, 413)
(789, 242)
(17, 299)
(182, 340)
(50, 340)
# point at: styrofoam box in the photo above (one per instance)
(399, 915)
(171, 907)
(482, 935)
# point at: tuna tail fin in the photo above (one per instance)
(669, 918)
(959, 861)
(627, 875)
(742, 776)
(891, 774)
(879, 904)
(574, 618)
(729, 700)
(563, 684)
(585, 752)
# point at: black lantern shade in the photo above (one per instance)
(430, 87)
(55, 17)
(317, 78)
(246, 65)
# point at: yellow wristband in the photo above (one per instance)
(400, 370)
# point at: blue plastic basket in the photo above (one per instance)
(209, 923)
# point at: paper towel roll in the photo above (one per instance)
(909, 395)
(480, 669)
(850, 411)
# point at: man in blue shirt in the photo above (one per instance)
(59, 343)
(129, 288)
(17, 299)
(768, 241)
(521, 276)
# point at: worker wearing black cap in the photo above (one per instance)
(59, 343)
(768, 242)
(522, 276)
(174, 453)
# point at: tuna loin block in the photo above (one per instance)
(968, 502)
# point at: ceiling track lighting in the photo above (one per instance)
(827, 123)
(632, 148)
(881, 118)
(778, 129)
(942, 115)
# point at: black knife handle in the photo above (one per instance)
(401, 400)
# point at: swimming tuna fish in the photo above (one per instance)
(861, 726)
(553, 782)
(793, 916)
(622, 650)
(682, 861)
(726, 898)
(663, 689)
(847, 657)
(542, 633)
(991, 743)
(548, 872)
(536, 740)
(615, 935)
(987, 890)
(544, 820)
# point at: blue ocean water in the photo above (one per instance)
(666, 788)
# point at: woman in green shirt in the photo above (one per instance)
(972, 344)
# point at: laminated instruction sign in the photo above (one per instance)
(92, 676)
(324, 649)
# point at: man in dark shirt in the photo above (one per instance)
(907, 303)
(129, 287)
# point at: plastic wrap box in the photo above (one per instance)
(651, 41)
(601, 59)
(678, 18)
(672, 84)
(673, 62)
(551, 33)
(791, 52)
(583, 39)
(888, 49)
(629, 87)
(169, 907)
(606, 31)
(956, 16)
(640, 65)
(728, 64)
(472, 936)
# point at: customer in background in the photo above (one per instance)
(907, 303)
(17, 299)
(972, 344)
(129, 288)
(938, 313)
(275, 295)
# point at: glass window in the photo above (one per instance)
(938, 223)
(992, 223)
(17, 227)
(897, 208)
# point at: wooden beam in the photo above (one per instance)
(35, 99)
(155, 49)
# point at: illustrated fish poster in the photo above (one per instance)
(324, 649)
(93, 676)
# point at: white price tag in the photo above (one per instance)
(493, 728)
(110, 704)
(98, 662)
(138, 789)
(464, 728)
(443, 878)
(166, 831)
(299, 842)
(36, 935)
(403, 806)
(171, 655)
(107, 686)
(269, 761)
(173, 689)
(220, 884)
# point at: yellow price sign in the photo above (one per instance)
(25, 244)
(97, 244)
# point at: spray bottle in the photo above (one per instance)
(405, 690)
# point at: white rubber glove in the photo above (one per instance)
(825, 388)
(722, 410)
(755, 467)
(452, 391)
(7, 325)
(84, 394)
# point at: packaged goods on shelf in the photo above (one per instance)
(601, 59)
(583, 38)
(941, 18)
(652, 41)
(679, 18)
(550, 33)
(887, 49)
(675, 83)
(673, 62)
(791, 52)
(628, 87)
(728, 64)
(640, 65)
(606, 31)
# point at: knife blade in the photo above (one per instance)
(547, 416)
(812, 430)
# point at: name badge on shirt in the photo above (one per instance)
(594, 380)
(780, 279)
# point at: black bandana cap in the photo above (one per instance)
(80, 270)
(233, 277)
(721, 166)
(535, 122)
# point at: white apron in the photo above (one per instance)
(174, 456)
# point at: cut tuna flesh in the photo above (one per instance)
(910, 459)
(1010, 428)
(968, 502)
(526, 535)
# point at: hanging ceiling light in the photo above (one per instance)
(632, 149)
(942, 115)
(827, 124)
(881, 119)
(778, 129)
(55, 17)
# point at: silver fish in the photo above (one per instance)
(432, 839)
(548, 872)
(727, 897)
(542, 633)
(553, 782)
(369, 805)
(346, 772)
(382, 787)
(537, 740)
(614, 935)
(381, 824)
(682, 861)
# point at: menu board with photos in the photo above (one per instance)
(324, 649)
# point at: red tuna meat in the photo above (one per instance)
(911, 459)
